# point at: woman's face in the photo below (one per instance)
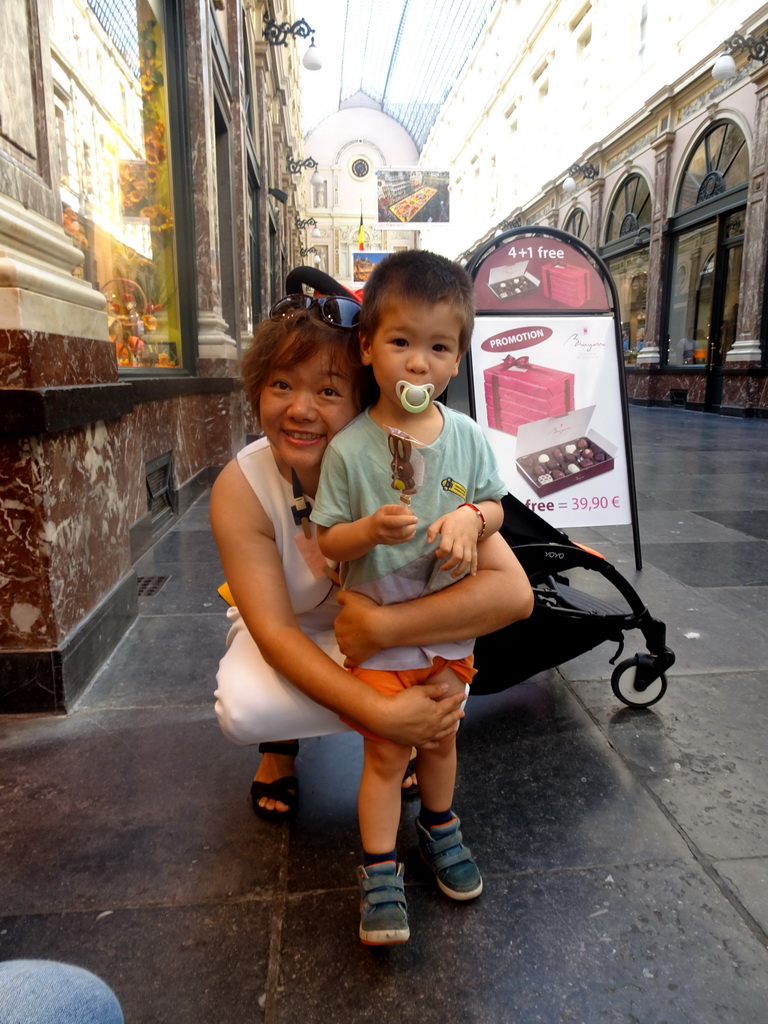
(301, 407)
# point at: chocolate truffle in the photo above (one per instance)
(570, 449)
(544, 459)
(582, 443)
(572, 467)
(599, 456)
(545, 478)
(587, 453)
(557, 474)
(586, 463)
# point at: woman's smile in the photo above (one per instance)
(300, 410)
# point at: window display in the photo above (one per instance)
(707, 249)
(630, 275)
(109, 73)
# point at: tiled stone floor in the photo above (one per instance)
(625, 853)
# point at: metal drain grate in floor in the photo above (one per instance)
(149, 585)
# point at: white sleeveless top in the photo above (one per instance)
(313, 599)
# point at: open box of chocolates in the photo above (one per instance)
(512, 281)
(562, 451)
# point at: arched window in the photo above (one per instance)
(577, 223)
(627, 234)
(706, 248)
(719, 163)
(630, 210)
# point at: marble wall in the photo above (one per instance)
(744, 388)
(65, 529)
(38, 359)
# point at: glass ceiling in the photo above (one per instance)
(403, 54)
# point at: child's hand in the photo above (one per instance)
(392, 524)
(458, 541)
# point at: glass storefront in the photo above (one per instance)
(706, 254)
(625, 250)
(690, 307)
(630, 275)
(109, 73)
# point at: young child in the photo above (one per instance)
(415, 325)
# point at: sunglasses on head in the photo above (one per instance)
(332, 309)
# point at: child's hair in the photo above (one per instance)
(293, 340)
(417, 275)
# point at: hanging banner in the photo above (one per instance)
(547, 378)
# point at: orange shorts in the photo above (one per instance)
(390, 682)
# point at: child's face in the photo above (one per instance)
(414, 341)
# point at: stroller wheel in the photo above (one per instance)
(636, 683)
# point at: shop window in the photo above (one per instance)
(225, 220)
(109, 58)
(706, 255)
(630, 209)
(625, 251)
(630, 276)
(704, 305)
(254, 234)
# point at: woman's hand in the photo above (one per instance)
(420, 716)
(356, 627)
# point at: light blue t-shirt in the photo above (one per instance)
(356, 480)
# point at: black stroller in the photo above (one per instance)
(567, 622)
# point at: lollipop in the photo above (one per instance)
(403, 480)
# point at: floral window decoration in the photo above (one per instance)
(118, 198)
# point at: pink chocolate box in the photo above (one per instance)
(518, 392)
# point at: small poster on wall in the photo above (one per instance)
(412, 196)
(363, 264)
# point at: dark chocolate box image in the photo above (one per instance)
(561, 451)
(512, 281)
(518, 391)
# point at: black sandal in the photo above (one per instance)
(286, 790)
(412, 791)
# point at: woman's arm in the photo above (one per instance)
(254, 572)
(498, 595)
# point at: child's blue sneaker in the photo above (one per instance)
(383, 912)
(444, 852)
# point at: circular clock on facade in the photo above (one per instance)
(360, 167)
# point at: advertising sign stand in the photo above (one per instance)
(545, 375)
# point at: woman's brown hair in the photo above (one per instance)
(293, 340)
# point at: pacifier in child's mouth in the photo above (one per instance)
(414, 397)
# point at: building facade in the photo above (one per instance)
(607, 122)
(147, 219)
(350, 146)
